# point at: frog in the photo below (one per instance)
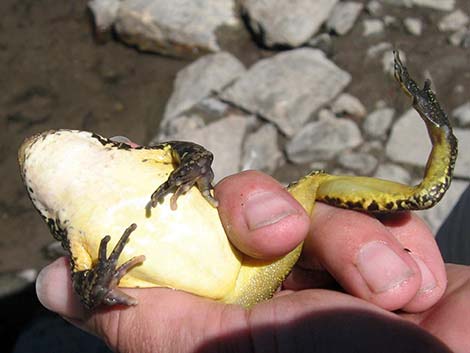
(155, 207)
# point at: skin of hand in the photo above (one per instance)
(354, 271)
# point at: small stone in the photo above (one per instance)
(349, 106)
(460, 38)
(407, 3)
(413, 25)
(389, 20)
(373, 27)
(393, 172)
(198, 80)
(443, 5)
(454, 21)
(288, 88)
(279, 22)
(377, 123)
(462, 114)
(343, 17)
(404, 136)
(359, 162)
(322, 139)
(374, 8)
(261, 151)
(323, 42)
(377, 49)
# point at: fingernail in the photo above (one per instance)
(381, 267)
(428, 281)
(266, 208)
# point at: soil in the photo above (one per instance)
(56, 73)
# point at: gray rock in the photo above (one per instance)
(224, 139)
(323, 139)
(462, 166)
(460, 38)
(374, 8)
(343, 16)
(454, 21)
(104, 12)
(413, 25)
(443, 5)
(323, 41)
(359, 162)
(409, 142)
(292, 23)
(179, 125)
(375, 50)
(201, 78)
(435, 216)
(373, 26)
(348, 105)
(462, 114)
(184, 28)
(393, 172)
(287, 88)
(377, 123)
(261, 151)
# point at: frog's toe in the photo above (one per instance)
(98, 285)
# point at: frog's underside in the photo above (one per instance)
(86, 186)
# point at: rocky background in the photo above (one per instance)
(280, 86)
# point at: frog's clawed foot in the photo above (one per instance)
(194, 169)
(98, 285)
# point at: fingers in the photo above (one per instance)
(395, 265)
(259, 216)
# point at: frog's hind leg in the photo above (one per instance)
(98, 285)
(193, 168)
(375, 195)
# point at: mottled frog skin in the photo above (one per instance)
(92, 192)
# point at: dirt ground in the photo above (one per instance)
(54, 73)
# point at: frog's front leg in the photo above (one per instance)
(98, 285)
(193, 168)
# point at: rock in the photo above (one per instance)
(460, 38)
(288, 87)
(323, 42)
(261, 151)
(373, 27)
(322, 139)
(435, 216)
(454, 21)
(377, 123)
(198, 80)
(377, 49)
(359, 162)
(349, 106)
(374, 8)
(462, 166)
(413, 25)
(344, 16)
(279, 22)
(104, 12)
(393, 172)
(443, 5)
(408, 142)
(177, 126)
(182, 28)
(462, 114)
(224, 139)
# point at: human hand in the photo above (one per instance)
(264, 221)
